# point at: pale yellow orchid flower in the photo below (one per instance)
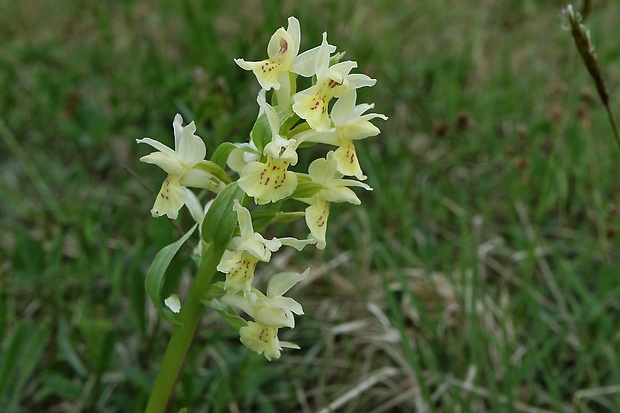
(180, 164)
(271, 181)
(350, 124)
(331, 81)
(335, 189)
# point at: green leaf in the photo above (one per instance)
(227, 313)
(10, 357)
(31, 359)
(66, 349)
(63, 387)
(221, 154)
(156, 275)
(220, 221)
(261, 132)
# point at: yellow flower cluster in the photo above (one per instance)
(324, 113)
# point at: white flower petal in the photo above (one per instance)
(288, 344)
(169, 163)
(341, 111)
(358, 130)
(328, 137)
(284, 281)
(273, 244)
(298, 244)
(340, 73)
(316, 219)
(255, 245)
(294, 31)
(157, 145)
(321, 64)
(283, 95)
(340, 194)
(312, 106)
(177, 127)
(358, 80)
(270, 112)
(324, 170)
(236, 300)
(243, 154)
(274, 317)
(266, 72)
(282, 149)
(244, 219)
(278, 45)
(287, 304)
(228, 260)
(173, 303)
(199, 178)
(170, 199)
(190, 147)
(346, 160)
(370, 116)
(193, 204)
(304, 64)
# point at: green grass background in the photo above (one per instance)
(481, 274)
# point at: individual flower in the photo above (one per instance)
(263, 339)
(350, 124)
(180, 164)
(270, 312)
(331, 81)
(243, 253)
(282, 51)
(272, 309)
(334, 189)
(271, 181)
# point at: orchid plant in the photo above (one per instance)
(251, 181)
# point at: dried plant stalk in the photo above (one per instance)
(584, 45)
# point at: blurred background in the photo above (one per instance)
(480, 275)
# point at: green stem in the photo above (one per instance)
(183, 334)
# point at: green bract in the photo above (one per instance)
(261, 133)
(220, 221)
(306, 189)
(221, 154)
(227, 313)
